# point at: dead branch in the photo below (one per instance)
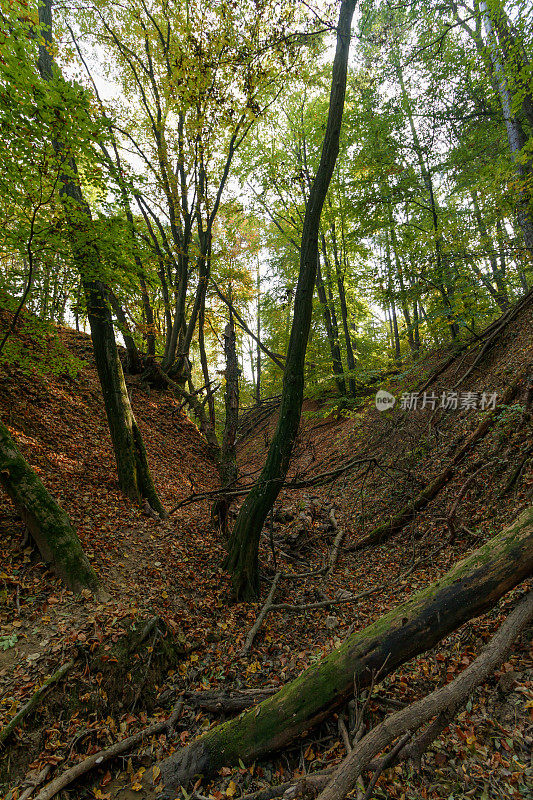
(262, 614)
(452, 511)
(35, 699)
(386, 762)
(31, 784)
(355, 597)
(501, 323)
(316, 480)
(397, 522)
(96, 760)
(515, 474)
(448, 697)
(335, 550)
(275, 357)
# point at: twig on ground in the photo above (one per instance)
(386, 762)
(262, 614)
(75, 772)
(35, 699)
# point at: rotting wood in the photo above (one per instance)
(227, 702)
(450, 696)
(467, 590)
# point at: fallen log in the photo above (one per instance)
(397, 522)
(467, 590)
(447, 698)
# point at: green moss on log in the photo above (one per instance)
(467, 590)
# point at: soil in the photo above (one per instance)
(171, 569)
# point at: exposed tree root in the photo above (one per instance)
(97, 759)
(35, 700)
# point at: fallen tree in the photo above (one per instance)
(467, 590)
(47, 523)
(445, 700)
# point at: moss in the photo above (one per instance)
(468, 589)
(48, 523)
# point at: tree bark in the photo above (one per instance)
(132, 465)
(228, 469)
(467, 590)
(350, 346)
(242, 559)
(46, 521)
(336, 361)
(134, 362)
(446, 700)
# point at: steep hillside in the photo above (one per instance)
(171, 571)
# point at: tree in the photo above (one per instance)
(242, 559)
(468, 589)
(47, 523)
(132, 465)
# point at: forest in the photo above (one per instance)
(266, 399)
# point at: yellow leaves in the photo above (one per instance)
(232, 789)
(252, 668)
(309, 754)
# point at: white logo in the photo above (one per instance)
(384, 400)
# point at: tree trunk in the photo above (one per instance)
(134, 365)
(467, 590)
(228, 456)
(242, 559)
(132, 466)
(258, 348)
(443, 277)
(350, 346)
(403, 292)
(393, 319)
(336, 361)
(499, 292)
(47, 523)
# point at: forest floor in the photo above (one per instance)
(172, 570)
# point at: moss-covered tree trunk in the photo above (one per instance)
(132, 465)
(242, 559)
(47, 523)
(467, 590)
